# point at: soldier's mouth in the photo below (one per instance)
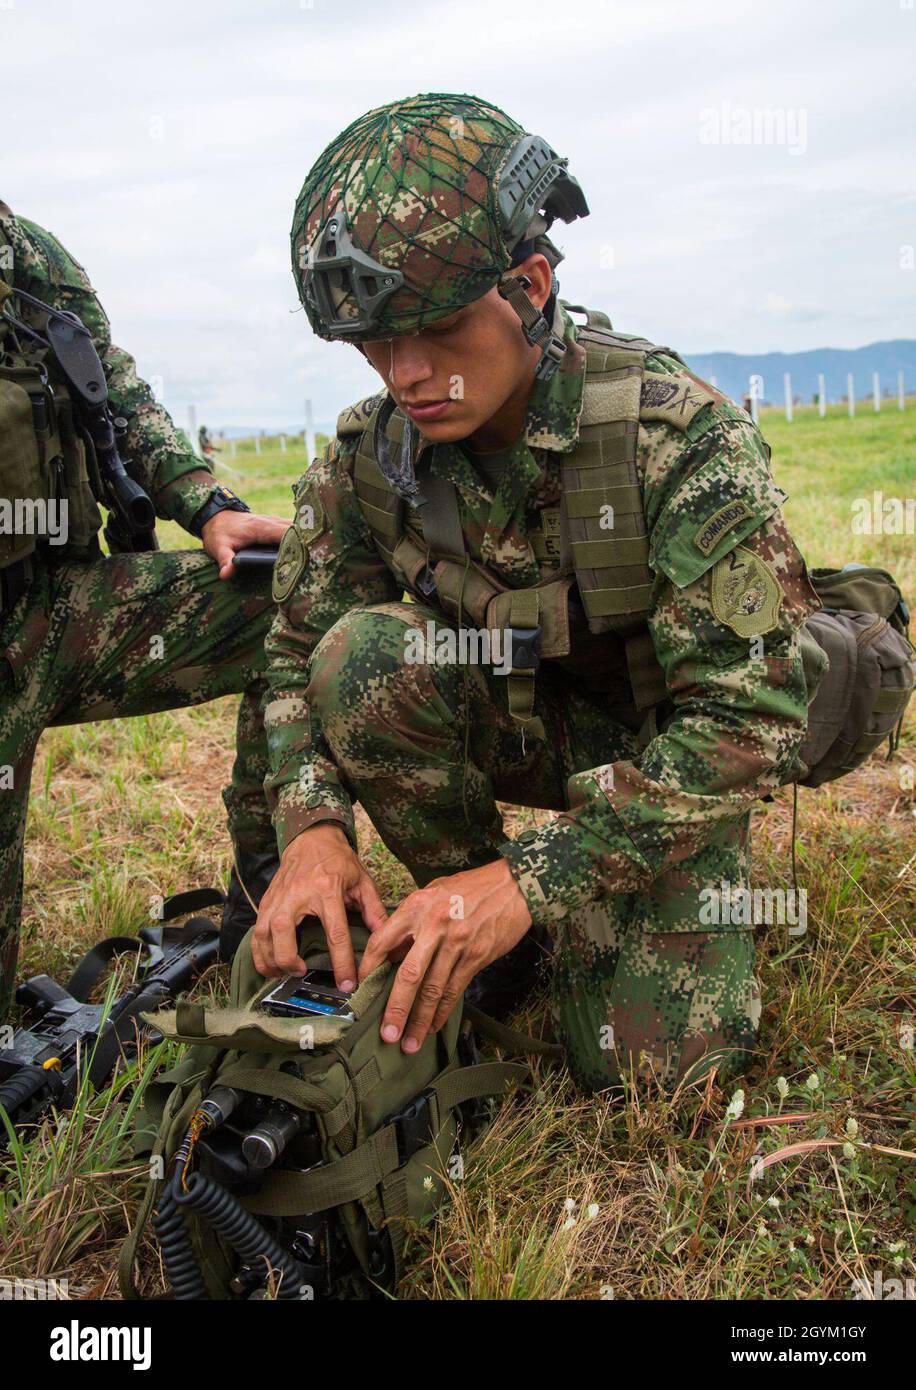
(431, 410)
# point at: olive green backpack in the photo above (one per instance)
(367, 1139)
(860, 637)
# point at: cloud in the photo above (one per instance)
(165, 146)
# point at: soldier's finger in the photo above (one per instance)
(399, 927)
(261, 947)
(333, 916)
(409, 980)
(434, 994)
(370, 903)
(284, 944)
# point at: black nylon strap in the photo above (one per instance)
(96, 961)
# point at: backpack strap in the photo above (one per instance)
(368, 1166)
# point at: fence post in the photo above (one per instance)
(192, 429)
(232, 447)
(850, 394)
(821, 395)
(755, 389)
(257, 443)
(282, 443)
(787, 383)
(308, 434)
(876, 390)
(900, 390)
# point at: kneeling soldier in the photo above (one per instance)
(608, 522)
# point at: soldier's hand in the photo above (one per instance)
(227, 532)
(319, 875)
(452, 928)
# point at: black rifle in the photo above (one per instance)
(45, 1064)
(131, 515)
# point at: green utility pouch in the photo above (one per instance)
(293, 1153)
(859, 668)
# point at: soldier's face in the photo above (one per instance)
(469, 370)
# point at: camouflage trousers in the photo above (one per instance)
(126, 635)
(637, 989)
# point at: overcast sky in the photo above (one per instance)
(165, 144)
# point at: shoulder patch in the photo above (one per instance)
(746, 595)
(674, 399)
(356, 417)
(716, 526)
(290, 563)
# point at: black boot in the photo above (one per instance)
(257, 868)
(504, 985)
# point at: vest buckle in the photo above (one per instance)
(426, 582)
(523, 649)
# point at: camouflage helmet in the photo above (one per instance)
(420, 207)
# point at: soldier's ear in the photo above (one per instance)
(539, 272)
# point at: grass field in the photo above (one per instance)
(565, 1197)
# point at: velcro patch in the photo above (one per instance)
(746, 595)
(673, 399)
(355, 418)
(716, 526)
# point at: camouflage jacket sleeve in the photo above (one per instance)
(161, 459)
(730, 594)
(328, 564)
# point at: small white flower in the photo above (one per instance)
(569, 1204)
(428, 1184)
(782, 1087)
(813, 1083)
(773, 1202)
(896, 1246)
(852, 1128)
(762, 1231)
(791, 1247)
(809, 1238)
(735, 1106)
(849, 1150)
(592, 1210)
(569, 1223)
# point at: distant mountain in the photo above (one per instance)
(732, 370)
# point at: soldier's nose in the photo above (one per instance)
(409, 364)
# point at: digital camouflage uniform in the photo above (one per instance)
(83, 642)
(648, 812)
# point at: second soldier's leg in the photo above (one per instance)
(161, 631)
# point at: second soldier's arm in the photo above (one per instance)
(161, 459)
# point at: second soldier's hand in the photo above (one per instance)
(319, 875)
(450, 930)
(229, 531)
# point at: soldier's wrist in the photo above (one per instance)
(182, 498)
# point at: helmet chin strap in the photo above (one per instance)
(535, 326)
(399, 471)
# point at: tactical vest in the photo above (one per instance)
(44, 456)
(599, 535)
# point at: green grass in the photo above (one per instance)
(565, 1197)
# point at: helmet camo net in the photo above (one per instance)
(405, 199)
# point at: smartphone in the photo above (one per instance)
(252, 557)
(312, 993)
